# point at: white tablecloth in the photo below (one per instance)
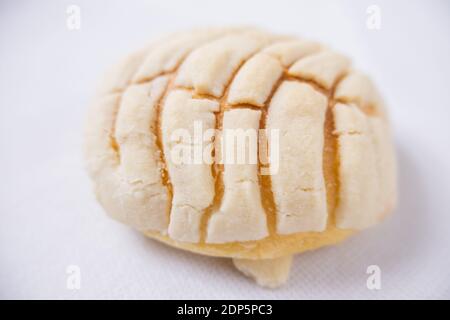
(50, 220)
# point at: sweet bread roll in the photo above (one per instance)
(311, 158)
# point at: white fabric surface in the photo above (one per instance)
(49, 218)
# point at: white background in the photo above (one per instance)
(49, 218)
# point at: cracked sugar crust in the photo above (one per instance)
(337, 165)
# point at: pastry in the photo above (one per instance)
(325, 165)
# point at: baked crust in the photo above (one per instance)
(337, 163)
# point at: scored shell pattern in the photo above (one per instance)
(240, 78)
